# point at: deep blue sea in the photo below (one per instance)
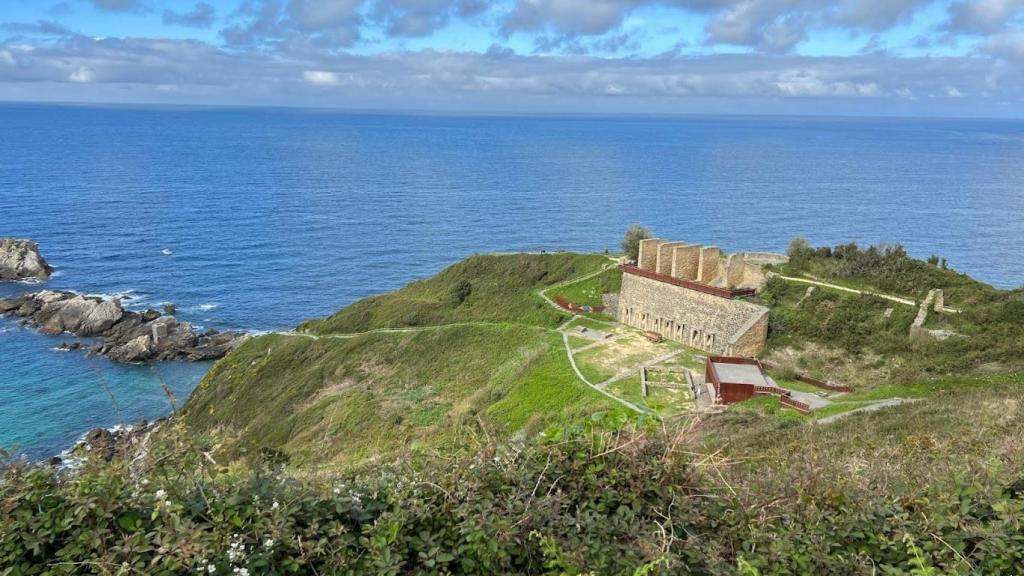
(275, 216)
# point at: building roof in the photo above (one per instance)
(740, 374)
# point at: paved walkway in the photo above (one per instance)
(811, 399)
(872, 407)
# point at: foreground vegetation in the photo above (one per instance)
(928, 488)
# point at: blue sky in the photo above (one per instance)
(902, 57)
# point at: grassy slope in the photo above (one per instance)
(589, 292)
(868, 349)
(345, 400)
(501, 288)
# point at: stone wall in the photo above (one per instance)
(685, 262)
(710, 262)
(664, 265)
(711, 323)
(741, 273)
(648, 257)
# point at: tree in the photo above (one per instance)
(631, 243)
(799, 252)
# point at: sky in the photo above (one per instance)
(846, 57)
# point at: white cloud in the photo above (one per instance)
(321, 78)
(82, 75)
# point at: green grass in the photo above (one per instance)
(577, 342)
(348, 400)
(589, 292)
(491, 288)
(591, 324)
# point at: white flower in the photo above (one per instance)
(275, 505)
(144, 481)
(241, 571)
(337, 491)
(211, 569)
(160, 494)
(167, 502)
(268, 543)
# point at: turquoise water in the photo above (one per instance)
(275, 216)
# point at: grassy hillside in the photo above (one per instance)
(448, 362)
(850, 335)
(491, 288)
(334, 401)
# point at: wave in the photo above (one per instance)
(208, 307)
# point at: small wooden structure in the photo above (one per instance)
(738, 379)
(654, 336)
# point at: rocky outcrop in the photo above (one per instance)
(107, 443)
(20, 260)
(125, 336)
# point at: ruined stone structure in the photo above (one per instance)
(705, 264)
(710, 322)
(687, 292)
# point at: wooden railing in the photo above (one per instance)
(577, 308)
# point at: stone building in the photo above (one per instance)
(691, 294)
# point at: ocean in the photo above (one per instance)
(275, 216)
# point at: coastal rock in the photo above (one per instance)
(105, 444)
(20, 260)
(126, 336)
(78, 315)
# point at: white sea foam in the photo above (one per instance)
(208, 307)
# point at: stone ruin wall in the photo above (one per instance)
(685, 262)
(711, 323)
(665, 252)
(706, 264)
(648, 258)
(707, 270)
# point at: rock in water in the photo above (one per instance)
(20, 260)
(127, 336)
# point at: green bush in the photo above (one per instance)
(612, 497)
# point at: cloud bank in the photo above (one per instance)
(586, 56)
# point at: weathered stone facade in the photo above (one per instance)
(706, 264)
(648, 258)
(705, 321)
(664, 265)
(707, 269)
(685, 262)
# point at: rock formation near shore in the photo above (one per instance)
(20, 260)
(125, 336)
